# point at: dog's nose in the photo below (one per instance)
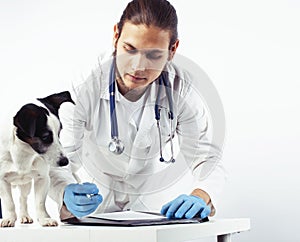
(63, 161)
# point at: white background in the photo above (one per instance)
(249, 49)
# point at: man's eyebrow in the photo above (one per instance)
(130, 45)
(148, 50)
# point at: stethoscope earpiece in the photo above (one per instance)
(172, 160)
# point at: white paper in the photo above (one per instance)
(127, 215)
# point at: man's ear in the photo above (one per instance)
(116, 35)
(173, 50)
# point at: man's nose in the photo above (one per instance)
(138, 62)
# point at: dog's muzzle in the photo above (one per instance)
(63, 161)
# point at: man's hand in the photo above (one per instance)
(186, 206)
(82, 199)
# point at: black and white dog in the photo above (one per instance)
(27, 152)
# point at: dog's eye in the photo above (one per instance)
(46, 137)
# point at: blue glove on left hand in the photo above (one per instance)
(186, 206)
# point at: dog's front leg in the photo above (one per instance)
(24, 192)
(9, 213)
(41, 187)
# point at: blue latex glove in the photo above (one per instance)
(82, 199)
(186, 206)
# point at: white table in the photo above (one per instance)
(221, 228)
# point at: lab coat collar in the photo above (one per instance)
(105, 62)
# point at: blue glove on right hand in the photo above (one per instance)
(186, 206)
(82, 199)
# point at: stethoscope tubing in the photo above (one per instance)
(112, 102)
(116, 143)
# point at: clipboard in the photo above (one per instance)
(96, 221)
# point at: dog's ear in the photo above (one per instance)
(54, 101)
(26, 118)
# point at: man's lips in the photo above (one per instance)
(135, 78)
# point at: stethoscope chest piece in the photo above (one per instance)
(116, 146)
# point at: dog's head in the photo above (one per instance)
(40, 127)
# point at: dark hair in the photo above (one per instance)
(159, 13)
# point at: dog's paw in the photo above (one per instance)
(48, 222)
(10, 222)
(26, 219)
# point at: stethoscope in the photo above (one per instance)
(116, 146)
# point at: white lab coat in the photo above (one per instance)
(136, 179)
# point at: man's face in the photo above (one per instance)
(142, 53)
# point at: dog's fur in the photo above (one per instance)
(28, 151)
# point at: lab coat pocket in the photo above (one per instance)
(141, 145)
(140, 152)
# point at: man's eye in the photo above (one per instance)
(129, 50)
(153, 56)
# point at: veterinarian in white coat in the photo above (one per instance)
(144, 175)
